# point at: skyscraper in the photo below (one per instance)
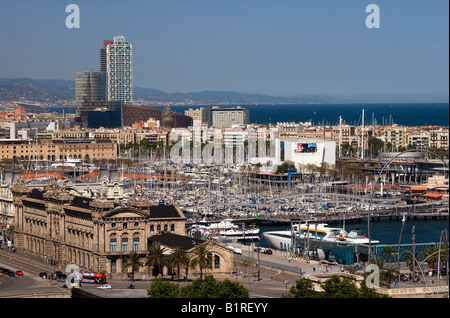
(103, 67)
(119, 70)
(92, 109)
(90, 87)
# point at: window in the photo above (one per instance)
(172, 228)
(158, 228)
(124, 244)
(113, 266)
(136, 244)
(113, 244)
(216, 261)
(125, 226)
(152, 229)
(165, 227)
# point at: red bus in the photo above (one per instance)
(93, 278)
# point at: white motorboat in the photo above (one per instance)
(282, 240)
(226, 231)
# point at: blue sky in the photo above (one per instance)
(275, 47)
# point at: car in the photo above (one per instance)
(268, 251)
(11, 273)
(61, 278)
(104, 286)
(19, 272)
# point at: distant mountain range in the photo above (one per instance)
(57, 90)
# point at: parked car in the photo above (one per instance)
(268, 251)
(19, 272)
(104, 286)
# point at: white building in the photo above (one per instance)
(301, 152)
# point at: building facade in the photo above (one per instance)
(119, 69)
(227, 117)
(58, 149)
(95, 234)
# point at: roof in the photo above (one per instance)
(174, 240)
(164, 211)
(432, 195)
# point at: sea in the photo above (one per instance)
(411, 114)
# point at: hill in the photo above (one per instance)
(56, 90)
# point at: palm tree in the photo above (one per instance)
(133, 260)
(389, 274)
(201, 257)
(156, 258)
(179, 257)
(389, 251)
(409, 259)
(432, 254)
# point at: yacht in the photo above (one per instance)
(226, 231)
(281, 240)
(68, 162)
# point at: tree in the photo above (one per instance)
(283, 168)
(198, 288)
(157, 258)
(388, 251)
(229, 289)
(133, 260)
(179, 257)
(409, 260)
(163, 289)
(201, 256)
(388, 272)
(334, 287)
(388, 275)
(376, 146)
(210, 288)
(303, 289)
(337, 287)
(433, 257)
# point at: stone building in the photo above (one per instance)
(96, 234)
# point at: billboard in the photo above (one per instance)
(302, 147)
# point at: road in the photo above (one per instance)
(30, 283)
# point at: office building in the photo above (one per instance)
(92, 108)
(119, 71)
(90, 87)
(227, 117)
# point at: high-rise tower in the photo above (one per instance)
(119, 71)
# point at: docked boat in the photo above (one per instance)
(226, 231)
(328, 236)
(69, 162)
